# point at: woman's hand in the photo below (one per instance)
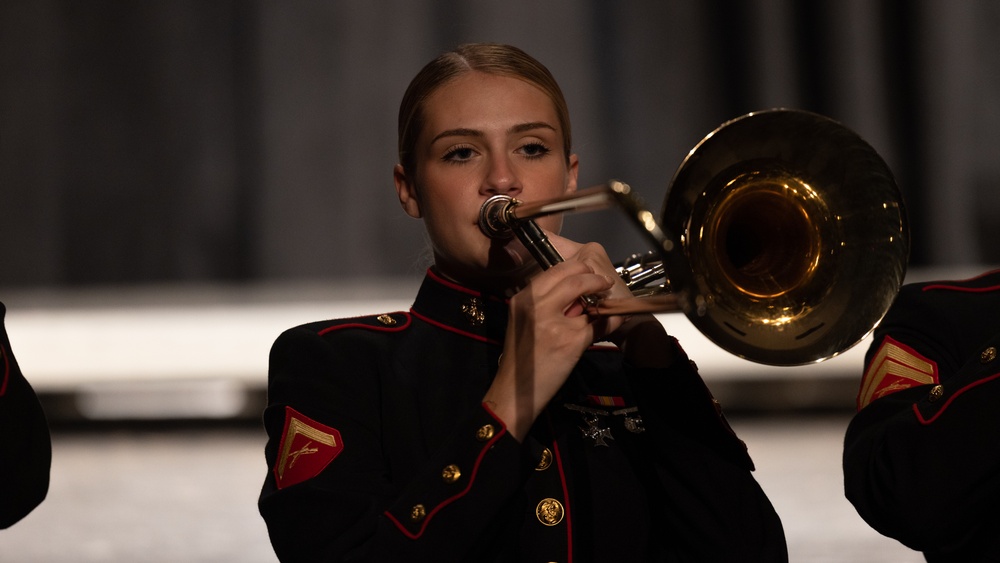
(641, 337)
(548, 331)
(546, 335)
(550, 328)
(596, 258)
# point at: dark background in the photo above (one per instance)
(197, 141)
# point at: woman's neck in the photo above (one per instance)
(504, 284)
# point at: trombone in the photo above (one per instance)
(783, 238)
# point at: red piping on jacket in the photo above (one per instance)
(960, 288)
(569, 520)
(954, 396)
(452, 285)
(446, 502)
(428, 320)
(367, 326)
(950, 286)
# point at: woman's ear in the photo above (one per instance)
(574, 169)
(406, 191)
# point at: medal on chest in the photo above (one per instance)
(596, 428)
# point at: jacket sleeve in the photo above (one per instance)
(358, 507)
(25, 444)
(920, 461)
(703, 470)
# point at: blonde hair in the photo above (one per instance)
(491, 58)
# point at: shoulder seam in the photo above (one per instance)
(400, 321)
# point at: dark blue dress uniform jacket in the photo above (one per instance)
(380, 449)
(922, 455)
(25, 445)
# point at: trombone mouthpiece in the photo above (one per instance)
(496, 215)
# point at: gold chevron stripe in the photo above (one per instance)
(895, 363)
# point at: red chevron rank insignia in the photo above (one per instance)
(306, 448)
(895, 367)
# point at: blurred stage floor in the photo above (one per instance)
(186, 492)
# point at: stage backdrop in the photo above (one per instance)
(253, 140)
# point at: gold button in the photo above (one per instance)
(549, 511)
(418, 513)
(936, 392)
(387, 320)
(451, 473)
(988, 355)
(546, 460)
(485, 432)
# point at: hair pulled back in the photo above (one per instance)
(490, 58)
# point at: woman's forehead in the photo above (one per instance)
(474, 100)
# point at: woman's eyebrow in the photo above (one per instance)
(460, 132)
(465, 132)
(521, 128)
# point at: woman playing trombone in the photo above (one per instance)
(497, 420)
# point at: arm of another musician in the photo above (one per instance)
(25, 444)
(920, 458)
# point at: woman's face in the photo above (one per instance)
(483, 135)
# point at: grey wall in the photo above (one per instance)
(253, 140)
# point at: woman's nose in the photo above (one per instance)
(501, 178)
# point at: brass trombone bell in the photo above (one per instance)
(783, 238)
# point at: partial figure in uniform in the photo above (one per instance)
(25, 444)
(495, 421)
(921, 462)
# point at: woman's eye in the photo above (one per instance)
(534, 150)
(458, 154)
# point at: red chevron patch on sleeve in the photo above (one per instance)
(306, 448)
(895, 367)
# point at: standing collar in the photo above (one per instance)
(459, 309)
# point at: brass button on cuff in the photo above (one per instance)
(418, 513)
(451, 473)
(936, 392)
(546, 460)
(550, 512)
(988, 355)
(485, 432)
